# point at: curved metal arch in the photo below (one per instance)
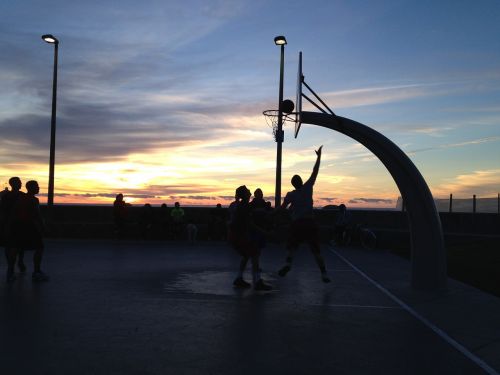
(428, 256)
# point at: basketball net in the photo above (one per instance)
(272, 116)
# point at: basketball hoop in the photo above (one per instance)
(272, 115)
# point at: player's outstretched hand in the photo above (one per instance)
(318, 151)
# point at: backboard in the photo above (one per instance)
(298, 98)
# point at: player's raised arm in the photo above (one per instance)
(285, 203)
(315, 171)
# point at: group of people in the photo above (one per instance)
(170, 223)
(247, 237)
(21, 228)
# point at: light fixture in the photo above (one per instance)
(49, 38)
(280, 40)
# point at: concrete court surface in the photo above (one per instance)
(169, 308)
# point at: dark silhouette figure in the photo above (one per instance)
(164, 221)
(146, 221)
(12, 207)
(261, 217)
(120, 215)
(239, 236)
(304, 227)
(3, 192)
(33, 231)
(217, 223)
(178, 221)
(342, 226)
(3, 219)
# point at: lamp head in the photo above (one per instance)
(49, 38)
(280, 40)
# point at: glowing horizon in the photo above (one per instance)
(164, 103)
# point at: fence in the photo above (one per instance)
(473, 204)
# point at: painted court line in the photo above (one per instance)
(462, 349)
(230, 301)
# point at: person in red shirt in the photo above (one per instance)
(13, 214)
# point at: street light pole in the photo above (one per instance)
(50, 196)
(279, 41)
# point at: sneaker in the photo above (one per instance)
(11, 277)
(325, 278)
(240, 283)
(22, 267)
(39, 276)
(282, 272)
(260, 285)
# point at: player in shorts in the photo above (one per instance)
(304, 227)
(240, 229)
(33, 230)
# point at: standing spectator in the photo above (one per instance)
(342, 223)
(178, 220)
(217, 223)
(164, 221)
(120, 215)
(146, 221)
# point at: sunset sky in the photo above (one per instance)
(162, 100)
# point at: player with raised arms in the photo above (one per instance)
(304, 227)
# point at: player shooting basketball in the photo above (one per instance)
(304, 227)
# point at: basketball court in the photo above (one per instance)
(170, 308)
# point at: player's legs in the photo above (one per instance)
(315, 249)
(288, 261)
(239, 282)
(20, 261)
(295, 237)
(38, 275)
(311, 234)
(11, 255)
(37, 260)
(258, 283)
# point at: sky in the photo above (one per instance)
(162, 100)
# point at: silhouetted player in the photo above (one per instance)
(239, 236)
(33, 230)
(304, 227)
(13, 228)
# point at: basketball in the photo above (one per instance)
(287, 106)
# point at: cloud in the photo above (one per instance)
(123, 92)
(110, 132)
(193, 197)
(379, 95)
(457, 144)
(481, 182)
(371, 200)
(326, 199)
